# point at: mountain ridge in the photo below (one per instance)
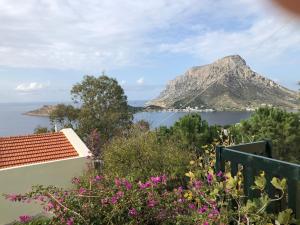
(226, 84)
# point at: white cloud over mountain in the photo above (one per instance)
(103, 34)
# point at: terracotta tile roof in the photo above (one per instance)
(22, 150)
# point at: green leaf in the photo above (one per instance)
(279, 184)
(260, 182)
(285, 216)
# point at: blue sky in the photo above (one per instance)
(46, 46)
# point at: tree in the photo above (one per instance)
(190, 131)
(64, 116)
(277, 125)
(103, 106)
(94, 144)
(41, 130)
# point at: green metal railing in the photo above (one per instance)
(256, 157)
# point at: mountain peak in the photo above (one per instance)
(232, 60)
(226, 84)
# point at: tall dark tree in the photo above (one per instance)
(103, 106)
(64, 116)
(277, 125)
(190, 131)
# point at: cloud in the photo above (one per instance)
(30, 87)
(84, 34)
(265, 40)
(96, 35)
(140, 81)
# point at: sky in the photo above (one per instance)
(46, 46)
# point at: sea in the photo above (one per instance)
(13, 122)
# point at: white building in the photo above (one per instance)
(41, 159)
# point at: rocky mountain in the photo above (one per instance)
(226, 84)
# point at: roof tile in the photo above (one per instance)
(22, 150)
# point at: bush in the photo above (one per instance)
(190, 132)
(141, 155)
(210, 198)
(25, 219)
(279, 126)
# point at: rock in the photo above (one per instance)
(227, 84)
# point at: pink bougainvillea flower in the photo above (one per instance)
(70, 221)
(197, 184)
(192, 206)
(215, 212)
(49, 206)
(127, 184)
(97, 178)
(206, 223)
(210, 178)
(203, 209)
(118, 182)
(120, 194)
(151, 203)
(114, 200)
(12, 197)
(220, 174)
(133, 212)
(155, 180)
(25, 218)
(145, 185)
(81, 191)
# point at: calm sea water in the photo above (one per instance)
(13, 122)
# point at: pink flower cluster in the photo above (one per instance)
(25, 218)
(154, 181)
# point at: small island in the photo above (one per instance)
(44, 111)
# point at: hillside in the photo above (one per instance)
(226, 84)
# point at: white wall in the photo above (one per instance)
(21, 179)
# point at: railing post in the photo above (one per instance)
(220, 165)
(292, 195)
(268, 149)
(248, 180)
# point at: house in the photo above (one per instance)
(40, 159)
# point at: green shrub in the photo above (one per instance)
(190, 132)
(211, 197)
(141, 155)
(40, 220)
(277, 125)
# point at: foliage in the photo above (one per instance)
(41, 130)
(225, 193)
(140, 155)
(142, 125)
(94, 143)
(64, 116)
(190, 131)
(277, 125)
(211, 197)
(25, 219)
(103, 106)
